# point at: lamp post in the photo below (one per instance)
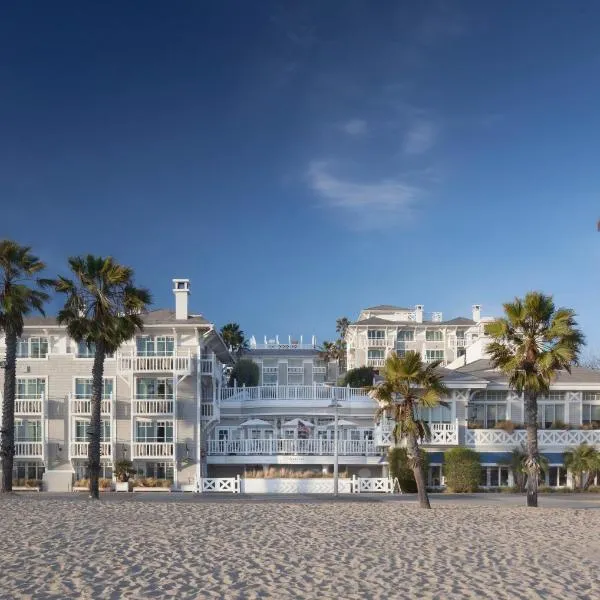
(336, 458)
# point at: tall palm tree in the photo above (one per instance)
(584, 462)
(341, 326)
(530, 344)
(20, 295)
(517, 461)
(234, 338)
(409, 385)
(329, 352)
(103, 309)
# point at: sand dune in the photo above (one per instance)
(71, 548)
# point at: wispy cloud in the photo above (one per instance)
(355, 127)
(420, 137)
(364, 205)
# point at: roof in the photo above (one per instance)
(483, 369)
(387, 307)
(459, 321)
(375, 321)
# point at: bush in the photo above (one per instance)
(462, 470)
(400, 468)
(245, 372)
(360, 377)
(507, 426)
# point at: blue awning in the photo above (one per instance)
(494, 458)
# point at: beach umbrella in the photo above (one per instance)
(297, 422)
(255, 423)
(342, 423)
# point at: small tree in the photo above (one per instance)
(584, 463)
(245, 372)
(359, 377)
(124, 470)
(234, 338)
(462, 470)
(401, 470)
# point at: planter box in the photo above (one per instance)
(294, 486)
(187, 487)
(122, 486)
(79, 488)
(24, 488)
(152, 489)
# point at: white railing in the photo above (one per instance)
(319, 370)
(456, 342)
(296, 370)
(292, 392)
(442, 434)
(28, 449)
(83, 406)
(272, 447)
(220, 484)
(207, 410)
(270, 370)
(152, 406)
(180, 363)
(153, 449)
(546, 437)
(206, 366)
(290, 346)
(372, 484)
(375, 362)
(80, 449)
(378, 342)
(28, 406)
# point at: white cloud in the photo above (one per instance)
(355, 127)
(369, 205)
(420, 137)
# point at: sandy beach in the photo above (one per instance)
(57, 547)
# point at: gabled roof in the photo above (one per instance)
(386, 307)
(375, 321)
(459, 321)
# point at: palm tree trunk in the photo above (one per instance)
(7, 446)
(96, 422)
(415, 458)
(533, 462)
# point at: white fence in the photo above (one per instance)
(442, 434)
(290, 446)
(292, 392)
(220, 484)
(546, 437)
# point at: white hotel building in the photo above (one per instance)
(169, 409)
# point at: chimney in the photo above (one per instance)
(419, 313)
(181, 289)
(476, 312)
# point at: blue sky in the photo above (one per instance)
(299, 161)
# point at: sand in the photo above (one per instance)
(73, 548)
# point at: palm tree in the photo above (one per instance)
(530, 344)
(234, 338)
(410, 385)
(517, 461)
(584, 462)
(20, 294)
(341, 326)
(103, 309)
(328, 352)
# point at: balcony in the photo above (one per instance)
(457, 342)
(295, 370)
(377, 343)
(152, 406)
(319, 370)
(442, 434)
(565, 438)
(180, 362)
(83, 406)
(80, 449)
(153, 450)
(25, 449)
(272, 447)
(292, 392)
(375, 362)
(207, 366)
(29, 406)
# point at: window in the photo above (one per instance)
(33, 347)
(590, 414)
(487, 414)
(158, 470)
(549, 415)
(160, 345)
(28, 431)
(591, 396)
(495, 476)
(30, 388)
(83, 388)
(154, 431)
(85, 351)
(148, 388)
(376, 334)
(295, 378)
(82, 430)
(437, 414)
(406, 335)
(434, 335)
(269, 378)
(28, 470)
(376, 353)
(555, 396)
(435, 476)
(433, 355)
(557, 476)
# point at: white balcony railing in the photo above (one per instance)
(178, 363)
(207, 366)
(377, 342)
(80, 449)
(442, 434)
(83, 406)
(28, 406)
(272, 447)
(375, 362)
(292, 392)
(296, 370)
(153, 449)
(24, 449)
(546, 437)
(152, 406)
(319, 370)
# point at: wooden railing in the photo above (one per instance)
(28, 406)
(292, 392)
(375, 362)
(28, 449)
(272, 447)
(546, 437)
(179, 363)
(442, 434)
(152, 406)
(80, 449)
(83, 406)
(153, 449)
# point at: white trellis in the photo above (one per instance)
(220, 484)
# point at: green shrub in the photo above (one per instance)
(360, 377)
(245, 372)
(400, 469)
(462, 470)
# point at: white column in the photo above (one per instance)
(175, 466)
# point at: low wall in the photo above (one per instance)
(294, 486)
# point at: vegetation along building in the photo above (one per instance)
(171, 407)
